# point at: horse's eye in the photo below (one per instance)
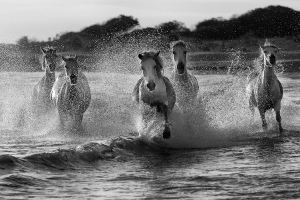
(174, 52)
(265, 51)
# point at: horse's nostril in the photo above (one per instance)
(151, 86)
(180, 68)
(272, 59)
(51, 66)
(73, 79)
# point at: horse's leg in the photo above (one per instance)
(164, 109)
(263, 119)
(251, 107)
(278, 117)
(62, 118)
(78, 121)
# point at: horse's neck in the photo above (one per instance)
(49, 77)
(160, 85)
(158, 95)
(71, 92)
(181, 77)
(268, 76)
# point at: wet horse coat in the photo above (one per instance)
(71, 95)
(264, 90)
(154, 90)
(185, 84)
(41, 93)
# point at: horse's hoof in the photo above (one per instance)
(167, 133)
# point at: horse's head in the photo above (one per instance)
(151, 64)
(179, 56)
(71, 69)
(270, 52)
(50, 59)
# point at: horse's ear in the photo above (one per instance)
(43, 50)
(266, 42)
(157, 54)
(141, 56)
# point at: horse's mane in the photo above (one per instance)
(179, 43)
(268, 44)
(258, 62)
(153, 55)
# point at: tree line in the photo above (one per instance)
(269, 22)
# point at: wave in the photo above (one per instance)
(73, 158)
(120, 149)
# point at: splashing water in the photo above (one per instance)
(221, 118)
(38, 160)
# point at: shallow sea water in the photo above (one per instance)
(215, 151)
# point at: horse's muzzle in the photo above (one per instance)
(272, 59)
(73, 79)
(151, 85)
(180, 68)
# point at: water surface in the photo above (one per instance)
(215, 152)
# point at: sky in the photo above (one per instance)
(41, 19)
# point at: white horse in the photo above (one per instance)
(41, 91)
(185, 84)
(263, 89)
(71, 94)
(154, 89)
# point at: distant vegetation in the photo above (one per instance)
(245, 32)
(270, 22)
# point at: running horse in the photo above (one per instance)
(71, 94)
(185, 84)
(41, 91)
(263, 89)
(154, 89)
